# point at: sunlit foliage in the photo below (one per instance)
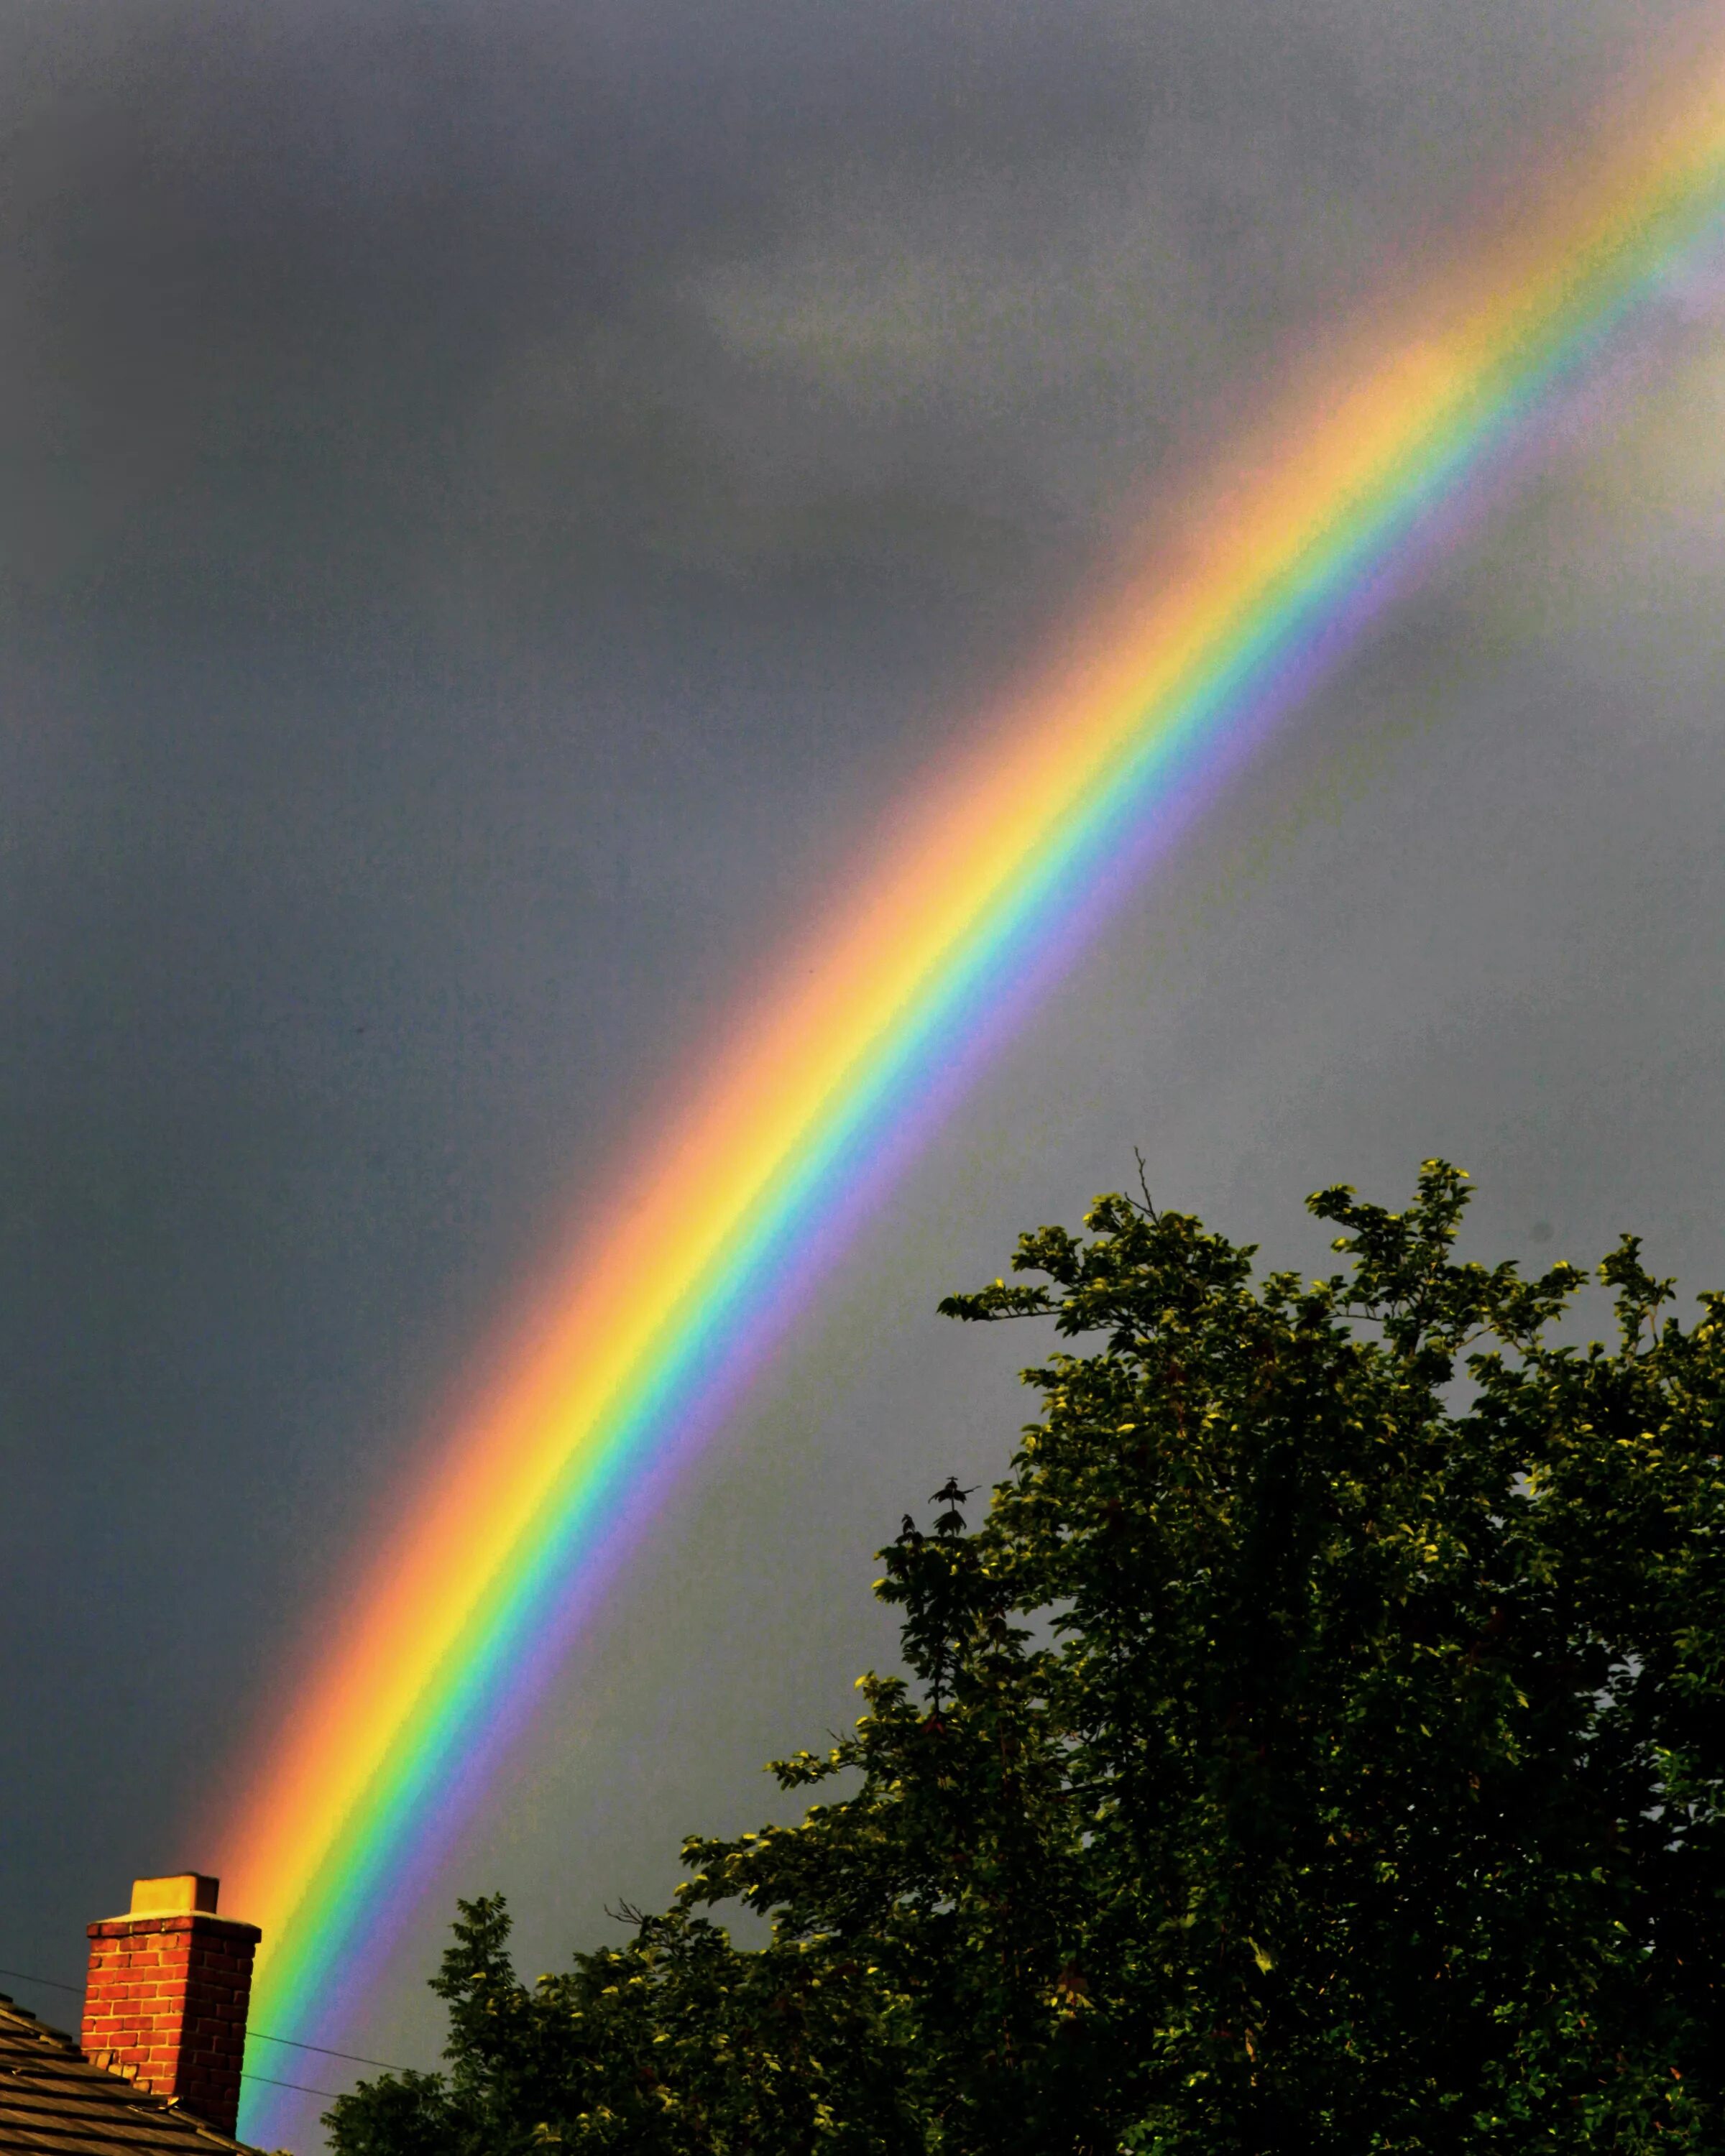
(1319, 1745)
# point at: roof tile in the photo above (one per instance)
(54, 2101)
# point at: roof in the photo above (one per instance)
(54, 2102)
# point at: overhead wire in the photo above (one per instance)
(304, 2087)
(358, 2058)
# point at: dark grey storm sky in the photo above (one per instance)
(497, 499)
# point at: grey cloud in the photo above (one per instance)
(752, 288)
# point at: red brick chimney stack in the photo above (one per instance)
(169, 1985)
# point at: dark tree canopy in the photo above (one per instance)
(1319, 1745)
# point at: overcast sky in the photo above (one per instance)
(499, 498)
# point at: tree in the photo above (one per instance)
(1319, 1745)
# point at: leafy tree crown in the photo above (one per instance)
(1317, 1744)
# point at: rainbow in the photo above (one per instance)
(727, 1218)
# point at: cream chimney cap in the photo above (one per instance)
(183, 1895)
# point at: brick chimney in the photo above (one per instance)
(169, 1985)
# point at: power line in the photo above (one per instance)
(24, 1976)
(358, 2058)
(304, 2087)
